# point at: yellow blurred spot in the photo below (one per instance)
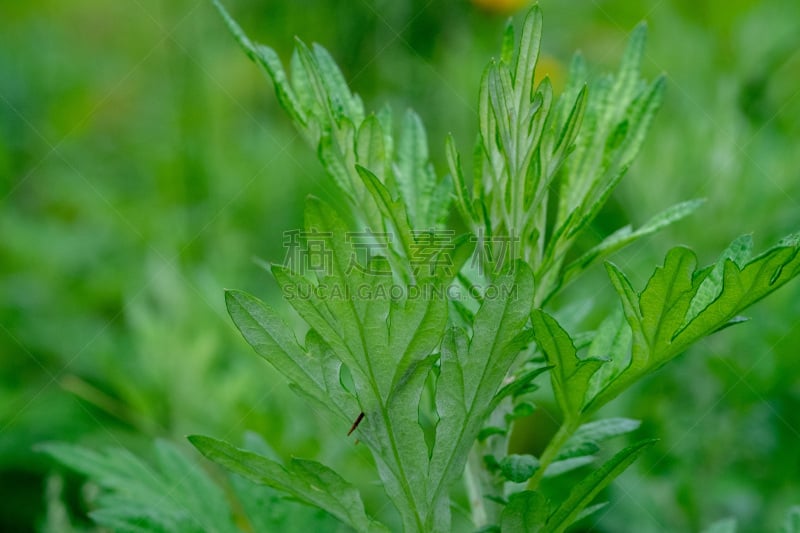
(502, 7)
(553, 69)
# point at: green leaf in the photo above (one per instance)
(269, 61)
(562, 466)
(527, 57)
(570, 374)
(387, 345)
(625, 236)
(487, 432)
(518, 468)
(464, 202)
(726, 525)
(602, 430)
(174, 495)
(272, 339)
(308, 481)
(569, 132)
(658, 317)
(507, 49)
(739, 252)
(519, 384)
(791, 523)
(526, 512)
(336, 86)
(393, 210)
(501, 98)
(580, 448)
(472, 372)
(664, 303)
(414, 173)
(584, 492)
(589, 511)
(612, 340)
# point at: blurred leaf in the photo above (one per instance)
(726, 525)
(584, 492)
(175, 497)
(518, 468)
(526, 512)
(792, 522)
(624, 236)
(309, 481)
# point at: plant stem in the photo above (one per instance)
(551, 452)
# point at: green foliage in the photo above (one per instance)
(175, 495)
(681, 304)
(333, 121)
(580, 145)
(431, 389)
(587, 141)
(308, 481)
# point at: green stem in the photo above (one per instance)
(551, 452)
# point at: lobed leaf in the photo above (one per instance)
(175, 495)
(665, 319)
(308, 481)
(570, 375)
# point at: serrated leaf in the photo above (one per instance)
(739, 251)
(472, 371)
(526, 512)
(272, 339)
(413, 172)
(584, 492)
(174, 496)
(393, 210)
(371, 147)
(570, 374)
(308, 481)
(658, 317)
(665, 300)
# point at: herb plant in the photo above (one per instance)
(431, 380)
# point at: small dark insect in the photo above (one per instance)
(355, 424)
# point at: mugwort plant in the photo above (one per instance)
(427, 345)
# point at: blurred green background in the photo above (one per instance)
(145, 166)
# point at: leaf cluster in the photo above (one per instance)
(429, 389)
